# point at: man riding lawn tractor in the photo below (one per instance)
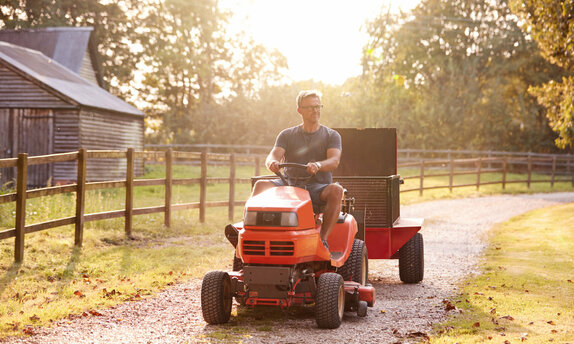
(299, 243)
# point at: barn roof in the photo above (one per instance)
(67, 45)
(61, 80)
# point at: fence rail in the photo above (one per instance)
(557, 168)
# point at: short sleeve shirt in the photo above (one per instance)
(302, 147)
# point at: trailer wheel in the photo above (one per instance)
(330, 300)
(216, 297)
(356, 268)
(411, 260)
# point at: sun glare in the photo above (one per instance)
(322, 39)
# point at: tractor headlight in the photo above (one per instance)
(273, 219)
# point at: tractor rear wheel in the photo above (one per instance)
(411, 260)
(356, 268)
(330, 300)
(216, 297)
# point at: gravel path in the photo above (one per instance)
(454, 237)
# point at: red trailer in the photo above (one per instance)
(281, 261)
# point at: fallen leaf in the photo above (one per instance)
(507, 317)
(383, 311)
(95, 313)
(79, 293)
(554, 331)
(523, 337)
(29, 330)
(551, 322)
(34, 317)
(476, 324)
(493, 311)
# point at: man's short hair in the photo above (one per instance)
(305, 94)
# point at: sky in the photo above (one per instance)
(322, 39)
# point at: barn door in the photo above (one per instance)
(35, 132)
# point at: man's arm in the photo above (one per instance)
(274, 158)
(327, 165)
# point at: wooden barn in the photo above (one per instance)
(46, 108)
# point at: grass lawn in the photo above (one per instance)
(526, 287)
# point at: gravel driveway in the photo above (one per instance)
(454, 237)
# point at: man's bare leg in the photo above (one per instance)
(332, 194)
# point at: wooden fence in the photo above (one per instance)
(558, 169)
(554, 168)
(22, 194)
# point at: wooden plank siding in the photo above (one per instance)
(110, 131)
(66, 139)
(19, 92)
(27, 131)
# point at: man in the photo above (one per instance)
(317, 147)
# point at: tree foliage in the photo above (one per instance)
(551, 24)
(467, 67)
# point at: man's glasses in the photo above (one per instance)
(316, 107)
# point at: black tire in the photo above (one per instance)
(237, 263)
(356, 268)
(216, 297)
(362, 309)
(411, 260)
(330, 300)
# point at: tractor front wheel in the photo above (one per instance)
(330, 300)
(411, 260)
(216, 297)
(356, 268)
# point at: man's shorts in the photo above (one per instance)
(314, 189)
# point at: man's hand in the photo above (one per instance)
(312, 168)
(273, 166)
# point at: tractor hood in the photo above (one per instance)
(284, 199)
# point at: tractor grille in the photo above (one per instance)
(275, 248)
(281, 248)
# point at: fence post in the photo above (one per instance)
(231, 185)
(478, 171)
(451, 172)
(529, 170)
(203, 187)
(257, 165)
(553, 171)
(504, 166)
(20, 225)
(422, 177)
(80, 197)
(168, 185)
(129, 192)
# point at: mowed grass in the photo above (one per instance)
(525, 292)
(56, 279)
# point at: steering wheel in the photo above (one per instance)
(285, 179)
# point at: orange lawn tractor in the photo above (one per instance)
(281, 261)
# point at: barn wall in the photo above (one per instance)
(66, 139)
(110, 131)
(18, 92)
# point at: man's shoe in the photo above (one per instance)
(326, 245)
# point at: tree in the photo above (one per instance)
(196, 72)
(551, 24)
(467, 67)
(111, 38)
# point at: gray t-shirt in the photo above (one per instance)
(302, 148)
